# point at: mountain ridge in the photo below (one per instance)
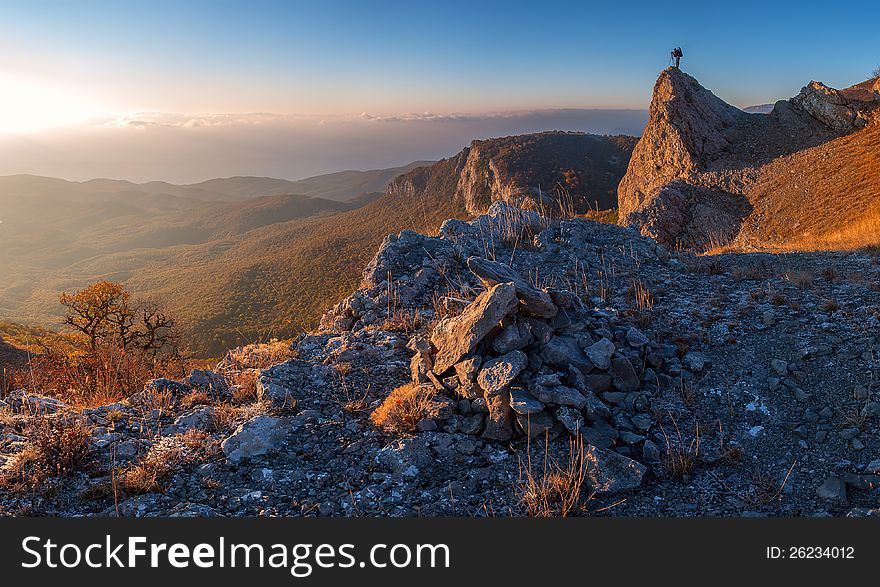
(703, 167)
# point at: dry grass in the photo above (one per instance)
(861, 233)
(256, 356)
(641, 296)
(801, 279)
(244, 385)
(56, 447)
(403, 408)
(557, 490)
(681, 457)
(169, 454)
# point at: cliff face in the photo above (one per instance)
(533, 171)
(696, 173)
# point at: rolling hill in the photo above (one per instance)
(236, 263)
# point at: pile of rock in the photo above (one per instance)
(522, 360)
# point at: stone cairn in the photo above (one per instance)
(520, 360)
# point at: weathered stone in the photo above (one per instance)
(623, 375)
(871, 410)
(635, 338)
(595, 408)
(500, 372)
(471, 424)
(533, 300)
(610, 472)
(562, 351)
(535, 424)
(522, 402)
(560, 395)
(571, 419)
(833, 490)
(598, 382)
(456, 337)
(600, 353)
(696, 362)
(406, 457)
(258, 436)
(206, 380)
(498, 425)
(780, 366)
(198, 418)
(600, 434)
(513, 336)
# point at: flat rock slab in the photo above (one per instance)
(524, 403)
(456, 337)
(534, 301)
(257, 436)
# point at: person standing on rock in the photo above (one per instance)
(677, 55)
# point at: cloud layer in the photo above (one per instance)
(176, 147)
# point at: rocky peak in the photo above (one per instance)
(695, 172)
(686, 124)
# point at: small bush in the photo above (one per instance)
(830, 306)
(403, 408)
(56, 447)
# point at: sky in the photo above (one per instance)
(184, 91)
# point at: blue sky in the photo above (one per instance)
(383, 57)
(187, 65)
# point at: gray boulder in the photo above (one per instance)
(258, 436)
(498, 373)
(611, 472)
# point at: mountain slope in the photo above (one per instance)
(706, 174)
(277, 280)
(58, 235)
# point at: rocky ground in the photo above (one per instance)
(733, 385)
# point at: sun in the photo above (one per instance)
(28, 105)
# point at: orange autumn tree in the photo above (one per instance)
(104, 313)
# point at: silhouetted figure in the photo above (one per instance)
(677, 55)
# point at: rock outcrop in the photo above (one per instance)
(842, 110)
(530, 171)
(699, 169)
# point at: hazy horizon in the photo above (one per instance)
(188, 149)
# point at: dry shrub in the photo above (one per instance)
(830, 306)
(198, 397)
(169, 454)
(160, 401)
(403, 408)
(256, 356)
(638, 292)
(224, 418)
(556, 491)
(801, 279)
(85, 378)
(56, 447)
(245, 387)
(749, 273)
(404, 320)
